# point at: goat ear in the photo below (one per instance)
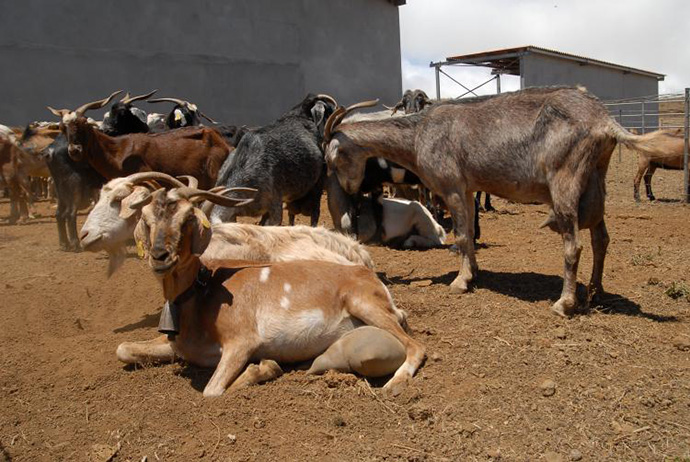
(201, 233)
(141, 237)
(139, 197)
(318, 110)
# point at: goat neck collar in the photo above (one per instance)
(199, 286)
(170, 316)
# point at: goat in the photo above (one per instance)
(239, 312)
(550, 145)
(124, 118)
(660, 149)
(183, 114)
(111, 223)
(198, 152)
(391, 221)
(15, 178)
(284, 162)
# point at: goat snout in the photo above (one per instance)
(75, 151)
(161, 260)
(88, 240)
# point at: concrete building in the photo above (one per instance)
(240, 61)
(538, 66)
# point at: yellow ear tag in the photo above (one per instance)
(204, 221)
(140, 249)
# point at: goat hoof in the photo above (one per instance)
(563, 309)
(651, 198)
(393, 389)
(458, 287)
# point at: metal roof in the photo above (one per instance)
(507, 60)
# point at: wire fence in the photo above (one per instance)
(654, 112)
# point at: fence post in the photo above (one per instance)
(620, 120)
(438, 82)
(644, 129)
(686, 186)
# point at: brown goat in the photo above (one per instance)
(549, 145)
(198, 152)
(248, 311)
(660, 149)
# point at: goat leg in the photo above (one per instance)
(572, 249)
(231, 363)
(254, 374)
(156, 350)
(462, 211)
(377, 309)
(600, 242)
(648, 182)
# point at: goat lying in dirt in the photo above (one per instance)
(391, 221)
(232, 312)
(661, 149)
(549, 145)
(112, 221)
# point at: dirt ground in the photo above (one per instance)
(504, 379)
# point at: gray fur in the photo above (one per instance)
(549, 145)
(284, 161)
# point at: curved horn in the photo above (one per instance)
(95, 104)
(190, 193)
(181, 102)
(340, 113)
(328, 98)
(58, 112)
(208, 118)
(145, 176)
(192, 182)
(144, 200)
(128, 100)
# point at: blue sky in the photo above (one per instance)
(650, 35)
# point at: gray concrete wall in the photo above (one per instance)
(607, 84)
(240, 61)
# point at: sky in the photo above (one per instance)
(652, 35)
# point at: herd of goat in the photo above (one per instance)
(238, 294)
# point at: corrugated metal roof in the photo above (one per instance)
(507, 60)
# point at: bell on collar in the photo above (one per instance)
(170, 320)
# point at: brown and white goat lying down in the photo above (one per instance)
(247, 312)
(112, 221)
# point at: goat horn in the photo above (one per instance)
(207, 118)
(95, 104)
(144, 200)
(127, 99)
(145, 176)
(328, 98)
(192, 182)
(340, 114)
(189, 193)
(58, 112)
(181, 102)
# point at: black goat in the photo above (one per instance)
(284, 161)
(124, 118)
(183, 114)
(76, 184)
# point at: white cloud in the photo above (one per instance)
(636, 33)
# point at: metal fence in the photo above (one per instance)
(654, 112)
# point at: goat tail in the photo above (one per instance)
(655, 143)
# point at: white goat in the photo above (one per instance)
(112, 221)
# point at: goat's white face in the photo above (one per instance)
(348, 168)
(111, 222)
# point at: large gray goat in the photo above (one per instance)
(284, 162)
(550, 145)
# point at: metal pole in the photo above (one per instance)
(438, 82)
(644, 130)
(686, 184)
(620, 121)
(498, 84)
